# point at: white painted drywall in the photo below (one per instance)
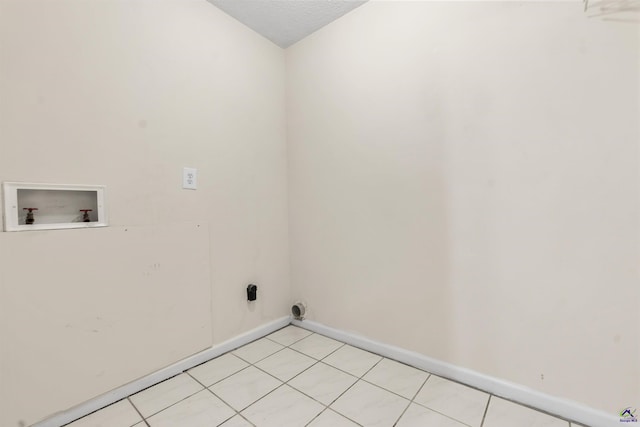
(127, 93)
(464, 184)
(85, 311)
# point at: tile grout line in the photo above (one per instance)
(245, 418)
(215, 395)
(434, 410)
(443, 414)
(421, 387)
(397, 361)
(402, 413)
(163, 381)
(391, 391)
(350, 387)
(334, 411)
(325, 364)
(413, 398)
(327, 355)
(300, 339)
(361, 378)
(377, 385)
(316, 362)
(211, 391)
(290, 386)
(144, 420)
(267, 338)
(486, 409)
(221, 379)
(262, 370)
(261, 397)
(167, 407)
(342, 370)
(326, 408)
(260, 360)
(92, 412)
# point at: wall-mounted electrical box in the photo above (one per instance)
(29, 206)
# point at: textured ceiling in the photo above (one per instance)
(285, 22)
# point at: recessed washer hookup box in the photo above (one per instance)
(32, 206)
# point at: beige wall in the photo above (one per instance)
(126, 93)
(464, 183)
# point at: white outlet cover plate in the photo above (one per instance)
(190, 178)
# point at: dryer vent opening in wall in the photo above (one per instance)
(298, 310)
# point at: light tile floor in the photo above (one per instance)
(295, 378)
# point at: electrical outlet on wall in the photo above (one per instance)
(190, 178)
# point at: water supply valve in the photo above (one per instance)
(85, 215)
(30, 219)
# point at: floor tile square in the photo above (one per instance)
(502, 413)
(454, 400)
(120, 414)
(317, 346)
(396, 377)
(200, 410)
(285, 407)
(218, 369)
(242, 389)
(257, 350)
(285, 364)
(323, 382)
(289, 335)
(370, 405)
(330, 418)
(237, 421)
(352, 360)
(165, 394)
(419, 416)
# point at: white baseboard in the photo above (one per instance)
(120, 393)
(563, 408)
